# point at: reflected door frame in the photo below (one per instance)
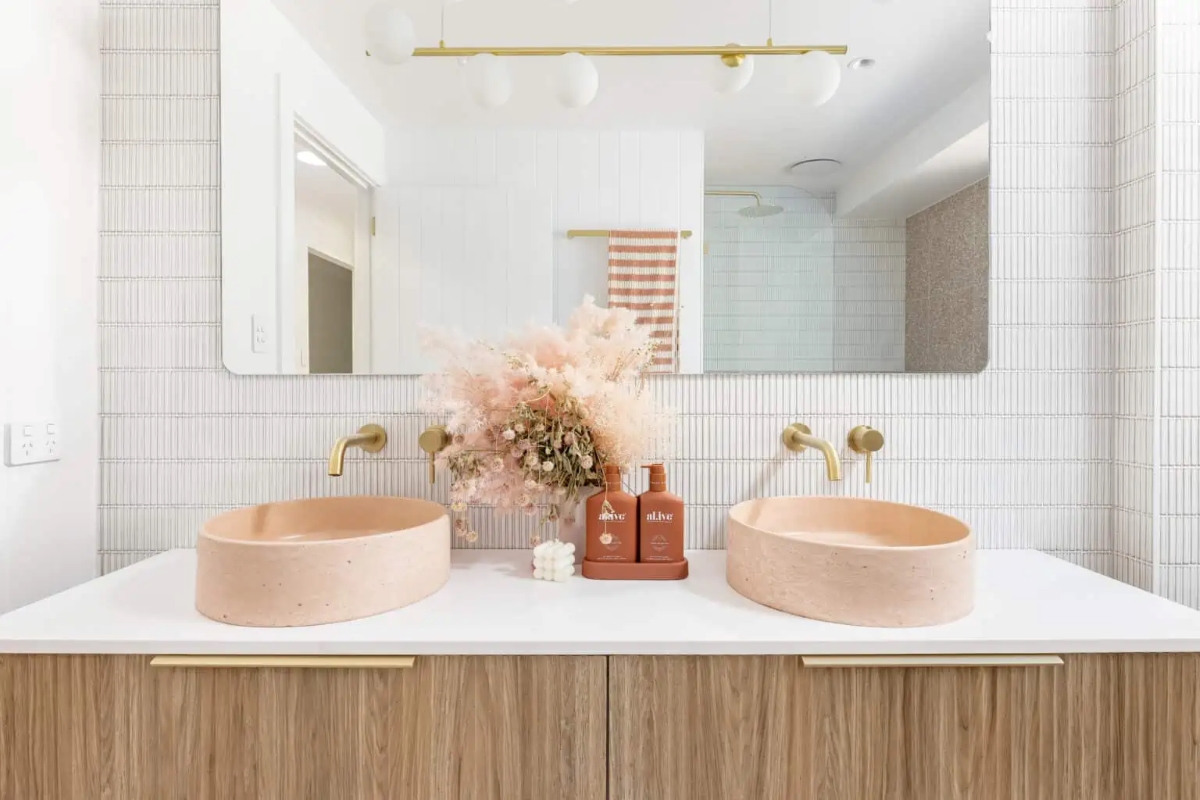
(293, 283)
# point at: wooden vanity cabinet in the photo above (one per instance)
(475, 728)
(1100, 727)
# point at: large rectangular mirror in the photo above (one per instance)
(766, 211)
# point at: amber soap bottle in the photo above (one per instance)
(660, 521)
(612, 522)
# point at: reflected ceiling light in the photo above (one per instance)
(814, 78)
(577, 81)
(310, 158)
(732, 72)
(815, 168)
(390, 35)
(488, 80)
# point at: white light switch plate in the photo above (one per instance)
(31, 443)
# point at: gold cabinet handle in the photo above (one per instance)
(869, 662)
(433, 441)
(284, 662)
(865, 439)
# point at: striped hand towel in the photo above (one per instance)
(642, 272)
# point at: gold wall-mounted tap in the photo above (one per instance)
(865, 439)
(798, 437)
(370, 438)
(433, 441)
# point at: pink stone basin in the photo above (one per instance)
(850, 560)
(307, 562)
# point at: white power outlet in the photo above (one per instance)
(260, 337)
(31, 443)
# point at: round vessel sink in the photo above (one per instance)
(854, 561)
(307, 562)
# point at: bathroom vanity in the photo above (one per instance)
(1060, 684)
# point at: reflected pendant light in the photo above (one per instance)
(577, 81)
(389, 33)
(732, 73)
(814, 78)
(488, 80)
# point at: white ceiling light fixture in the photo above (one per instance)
(390, 34)
(732, 73)
(814, 78)
(861, 63)
(310, 158)
(815, 168)
(488, 80)
(577, 80)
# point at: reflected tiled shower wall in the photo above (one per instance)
(1023, 451)
(801, 291)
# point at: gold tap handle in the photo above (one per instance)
(865, 439)
(433, 441)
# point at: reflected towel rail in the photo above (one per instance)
(576, 233)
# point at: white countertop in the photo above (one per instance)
(1028, 602)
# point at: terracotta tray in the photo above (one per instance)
(603, 571)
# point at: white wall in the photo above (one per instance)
(617, 179)
(474, 259)
(271, 78)
(801, 291)
(49, 173)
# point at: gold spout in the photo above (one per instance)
(798, 437)
(370, 438)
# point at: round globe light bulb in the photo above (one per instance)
(390, 34)
(732, 73)
(577, 80)
(814, 78)
(488, 80)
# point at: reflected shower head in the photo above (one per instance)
(760, 209)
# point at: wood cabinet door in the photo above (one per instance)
(475, 728)
(1104, 727)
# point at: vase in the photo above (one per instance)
(575, 531)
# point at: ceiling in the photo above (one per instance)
(927, 52)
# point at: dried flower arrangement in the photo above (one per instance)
(534, 419)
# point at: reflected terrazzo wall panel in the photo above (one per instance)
(1022, 452)
(946, 285)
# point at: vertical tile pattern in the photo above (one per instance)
(1179, 263)
(801, 291)
(1133, 292)
(1023, 451)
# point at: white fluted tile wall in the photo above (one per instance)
(1179, 263)
(1023, 451)
(801, 291)
(1133, 298)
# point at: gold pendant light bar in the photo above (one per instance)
(652, 50)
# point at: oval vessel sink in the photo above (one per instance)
(307, 562)
(854, 561)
